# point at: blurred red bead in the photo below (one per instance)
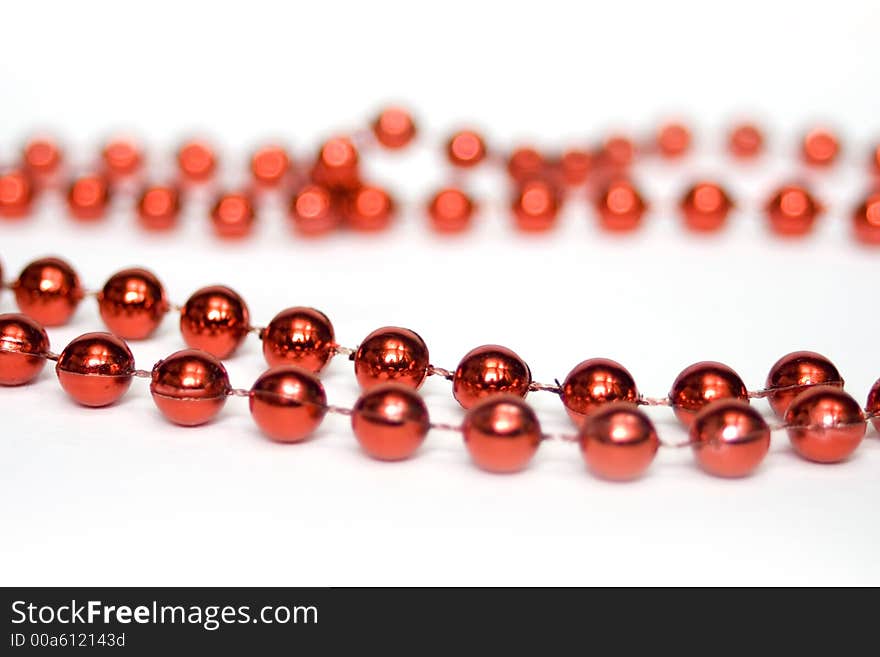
(132, 303)
(190, 387)
(620, 206)
(215, 319)
(866, 220)
(269, 165)
(792, 211)
(369, 209)
(299, 336)
(618, 152)
(825, 424)
(794, 373)
(288, 403)
(336, 166)
(705, 207)
(487, 371)
(42, 157)
(390, 422)
(159, 207)
(48, 290)
(701, 384)
(391, 354)
(465, 148)
(502, 433)
(875, 159)
(95, 369)
(673, 140)
(535, 206)
(820, 147)
(16, 194)
(88, 197)
(618, 441)
(196, 161)
(575, 166)
(394, 127)
(122, 158)
(872, 406)
(729, 438)
(526, 164)
(313, 211)
(450, 211)
(23, 349)
(233, 215)
(594, 383)
(745, 141)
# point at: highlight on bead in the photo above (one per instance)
(16, 194)
(122, 157)
(535, 206)
(825, 424)
(369, 209)
(866, 220)
(215, 319)
(313, 212)
(705, 207)
(394, 127)
(158, 207)
(49, 291)
(487, 371)
(23, 349)
(501, 433)
(450, 210)
(620, 206)
(337, 165)
(42, 157)
(796, 372)
(594, 383)
(132, 303)
(792, 211)
(189, 387)
(618, 441)
(465, 149)
(701, 384)
(820, 147)
(233, 215)
(673, 140)
(95, 369)
(390, 422)
(391, 354)
(287, 403)
(299, 336)
(270, 164)
(88, 197)
(729, 438)
(196, 161)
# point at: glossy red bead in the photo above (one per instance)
(574, 166)
(269, 165)
(701, 384)
(745, 141)
(190, 387)
(729, 438)
(792, 211)
(42, 157)
(502, 433)
(465, 149)
(450, 210)
(233, 215)
(794, 373)
(369, 209)
(16, 194)
(535, 206)
(595, 383)
(122, 157)
(705, 207)
(299, 336)
(820, 147)
(526, 163)
(337, 165)
(487, 371)
(158, 207)
(618, 441)
(196, 161)
(132, 303)
(872, 406)
(673, 140)
(95, 369)
(23, 348)
(617, 153)
(88, 197)
(620, 207)
(825, 424)
(394, 128)
(288, 403)
(215, 319)
(313, 212)
(49, 291)
(866, 220)
(875, 160)
(390, 422)
(391, 354)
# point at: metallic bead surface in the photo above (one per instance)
(794, 373)
(121, 158)
(313, 211)
(95, 369)
(196, 161)
(16, 194)
(535, 206)
(48, 290)
(132, 303)
(189, 387)
(215, 319)
(337, 165)
(23, 348)
(594, 383)
(450, 210)
(490, 370)
(618, 441)
(288, 403)
(705, 207)
(369, 209)
(502, 433)
(299, 336)
(702, 383)
(233, 215)
(866, 220)
(872, 406)
(42, 157)
(391, 354)
(792, 211)
(394, 127)
(620, 206)
(270, 164)
(745, 141)
(88, 197)
(825, 424)
(729, 438)
(465, 149)
(820, 147)
(673, 140)
(158, 207)
(390, 421)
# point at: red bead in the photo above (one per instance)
(618, 152)
(465, 149)
(825, 424)
(391, 354)
(190, 387)
(16, 194)
(526, 164)
(196, 161)
(288, 403)
(673, 140)
(792, 211)
(132, 303)
(536, 206)
(23, 348)
(369, 209)
(702, 383)
(269, 165)
(705, 207)
(820, 147)
(875, 159)
(794, 373)
(390, 422)
(745, 141)
(42, 157)
(233, 215)
(215, 319)
(866, 220)
(575, 166)
(336, 166)
(594, 383)
(394, 128)
(618, 442)
(159, 207)
(88, 197)
(872, 406)
(122, 158)
(502, 433)
(48, 290)
(620, 206)
(490, 370)
(299, 336)
(313, 211)
(95, 369)
(729, 438)
(450, 211)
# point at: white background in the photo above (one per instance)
(119, 496)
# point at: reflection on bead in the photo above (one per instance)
(95, 369)
(394, 127)
(820, 147)
(618, 441)
(526, 164)
(23, 348)
(390, 421)
(16, 194)
(575, 166)
(132, 303)
(673, 140)
(490, 370)
(705, 207)
(158, 207)
(535, 206)
(465, 148)
(299, 336)
(189, 387)
(369, 209)
(48, 290)
(233, 215)
(269, 165)
(288, 403)
(825, 424)
(594, 383)
(196, 161)
(502, 433)
(215, 319)
(41, 157)
(792, 211)
(121, 157)
(88, 197)
(794, 373)
(729, 438)
(745, 141)
(872, 406)
(702, 383)
(450, 211)
(313, 211)
(336, 166)
(866, 220)
(620, 206)
(391, 354)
